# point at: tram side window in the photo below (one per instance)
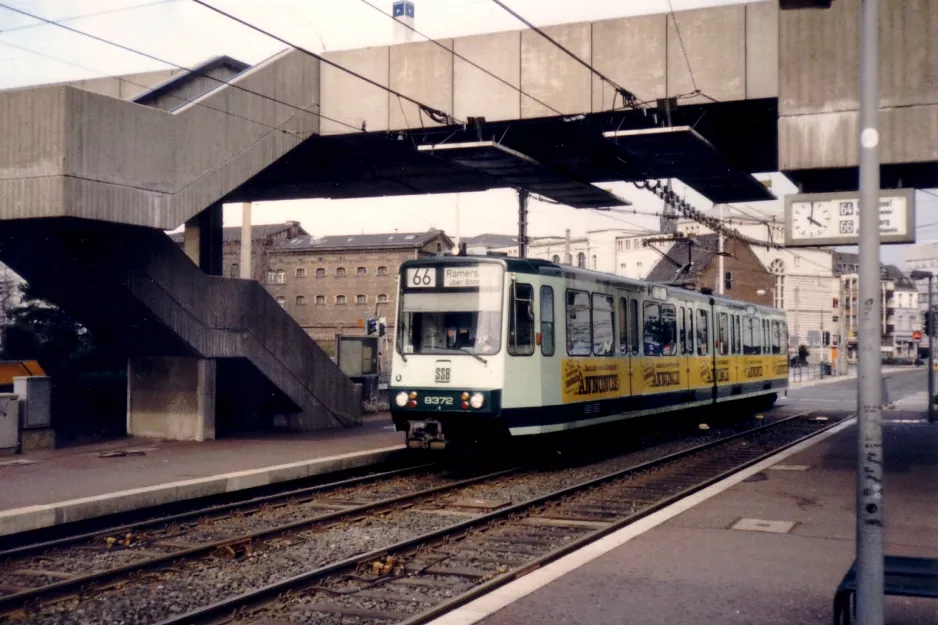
(633, 326)
(766, 333)
(547, 321)
(521, 320)
(703, 330)
(660, 329)
(723, 337)
(623, 327)
(748, 343)
(687, 331)
(603, 333)
(756, 336)
(776, 338)
(737, 335)
(578, 323)
(681, 328)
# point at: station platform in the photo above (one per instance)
(58, 486)
(767, 546)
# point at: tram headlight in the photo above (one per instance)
(477, 400)
(401, 399)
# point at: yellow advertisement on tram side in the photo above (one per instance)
(659, 375)
(753, 369)
(594, 378)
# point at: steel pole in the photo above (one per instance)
(931, 357)
(522, 223)
(842, 364)
(869, 599)
(246, 241)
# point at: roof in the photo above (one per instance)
(339, 241)
(262, 231)
(846, 263)
(205, 69)
(490, 240)
(703, 251)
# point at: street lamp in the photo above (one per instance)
(922, 275)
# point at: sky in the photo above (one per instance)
(184, 33)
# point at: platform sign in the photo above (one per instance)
(833, 219)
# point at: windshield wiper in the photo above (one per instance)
(473, 354)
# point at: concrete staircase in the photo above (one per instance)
(136, 287)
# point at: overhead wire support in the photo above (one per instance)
(463, 58)
(184, 68)
(440, 117)
(629, 98)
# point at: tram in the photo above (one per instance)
(488, 347)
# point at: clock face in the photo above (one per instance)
(810, 219)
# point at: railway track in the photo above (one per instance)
(421, 578)
(431, 546)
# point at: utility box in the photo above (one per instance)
(9, 423)
(358, 355)
(35, 394)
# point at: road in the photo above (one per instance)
(905, 391)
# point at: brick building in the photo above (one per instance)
(331, 284)
(693, 262)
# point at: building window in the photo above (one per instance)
(361, 271)
(581, 261)
(278, 276)
(638, 264)
(382, 298)
(382, 271)
(300, 272)
(300, 300)
(593, 263)
(320, 273)
(234, 270)
(619, 245)
(555, 259)
(320, 300)
(340, 272)
(282, 301)
(271, 276)
(340, 300)
(361, 299)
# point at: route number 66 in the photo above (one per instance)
(421, 277)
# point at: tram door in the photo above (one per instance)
(685, 340)
(627, 325)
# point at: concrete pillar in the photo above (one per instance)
(202, 239)
(171, 397)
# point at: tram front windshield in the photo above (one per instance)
(438, 323)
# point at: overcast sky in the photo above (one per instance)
(184, 33)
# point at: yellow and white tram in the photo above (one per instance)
(492, 346)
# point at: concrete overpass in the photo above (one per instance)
(83, 168)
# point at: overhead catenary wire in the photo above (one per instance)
(628, 98)
(463, 58)
(440, 117)
(178, 66)
(82, 16)
(680, 39)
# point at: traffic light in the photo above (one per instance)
(728, 280)
(382, 328)
(826, 338)
(929, 325)
(372, 326)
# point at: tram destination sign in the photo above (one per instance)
(833, 219)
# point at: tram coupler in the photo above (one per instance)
(425, 435)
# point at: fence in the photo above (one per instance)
(807, 372)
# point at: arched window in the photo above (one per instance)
(361, 271)
(555, 259)
(320, 273)
(282, 301)
(361, 299)
(234, 270)
(382, 298)
(340, 272)
(300, 300)
(340, 300)
(581, 260)
(300, 272)
(320, 300)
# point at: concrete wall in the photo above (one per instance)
(733, 53)
(819, 84)
(125, 87)
(70, 152)
(171, 398)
